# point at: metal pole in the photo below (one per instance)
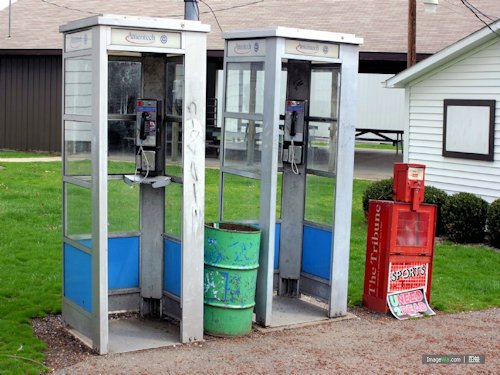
(10, 6)
(190, 13)
(191, 10)
(412, 32)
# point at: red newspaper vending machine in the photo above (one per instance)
(400, 240)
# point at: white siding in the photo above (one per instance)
(473, 76)
(379, 107)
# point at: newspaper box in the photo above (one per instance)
(400, 240)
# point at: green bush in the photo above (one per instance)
(493, 221)
(464, 218)
(436, 196)
(381, 190)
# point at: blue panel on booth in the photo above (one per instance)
(123, 262)
(78, 277)
(86, 242)
(172, 267)
(316, 252)
(277, 246)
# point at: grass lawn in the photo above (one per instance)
(21, 154)
(464, 278)
(376, 146)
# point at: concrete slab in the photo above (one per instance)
(369, 164)
(289, 313)
(132, 334)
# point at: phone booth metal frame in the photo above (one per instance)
(86, 244)
(264, 51)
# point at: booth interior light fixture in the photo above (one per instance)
(431, 6)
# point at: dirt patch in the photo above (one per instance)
(371, 343)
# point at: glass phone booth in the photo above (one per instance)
(287, 162)
(133, 180)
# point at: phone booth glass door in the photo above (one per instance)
(321, 168)
(242, 142)
(306, 228)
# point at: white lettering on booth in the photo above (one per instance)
(138, 38)
(78, 41)
(248, 47)
(306, 48)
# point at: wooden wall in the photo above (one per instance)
(30, 102)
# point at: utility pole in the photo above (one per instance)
(10, 16)
(430, 7)
(412, 33)
(191, 10)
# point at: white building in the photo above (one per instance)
(379, 108)
(452, 110)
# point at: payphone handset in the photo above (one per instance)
(148, 137)
(146, 123)
(295, 114)
(294, 120)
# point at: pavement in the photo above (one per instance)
(375, 164)
(368, 164)
(31, 160)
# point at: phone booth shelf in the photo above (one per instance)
(289, 115)
(120, 253)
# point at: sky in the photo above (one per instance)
(5, 3)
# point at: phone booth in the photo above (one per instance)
(400, 240)
(133, 180)
(287, 160)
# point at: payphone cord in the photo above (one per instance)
(293, 163)
(291, 150)
(139, 152)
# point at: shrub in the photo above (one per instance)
(464, 218)
(381, 190)
(438, 197)
(493, 221)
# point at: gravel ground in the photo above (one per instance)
(371, 343)
(63, 349)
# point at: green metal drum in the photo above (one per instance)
(231, 263)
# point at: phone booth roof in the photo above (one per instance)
(135, 22)
(293, 33)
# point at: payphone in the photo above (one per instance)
(293, 147)
(149, 138)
